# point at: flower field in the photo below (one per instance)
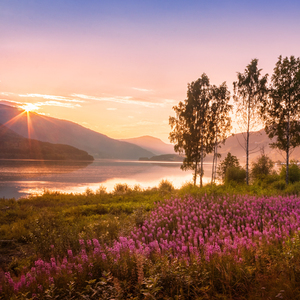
(187, 248)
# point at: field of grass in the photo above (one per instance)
(218, 242)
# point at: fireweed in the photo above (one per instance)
(184, 229)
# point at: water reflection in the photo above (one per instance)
(21, 178)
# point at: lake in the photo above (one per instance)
(21, 178)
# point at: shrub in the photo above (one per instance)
(230, 161)
(89, 192)
(101, 190)
(293, 189)
(262, 167)
(121, 189)
(279, 185)
(294, 173)
(236, 174)
(165, 186)
(137, 188)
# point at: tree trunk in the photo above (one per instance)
(216, 163)
(201, 157)
(287, 149)
(213, 167)
(196, 170)
(213, 174)
(247, 142)
(201, 169)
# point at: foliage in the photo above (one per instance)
(262, 167)
(230, 161)
(235, 174)
(121, 188)
(229, 247)
(250, 91)
(281, 110)
(294, 173)
(165, 187)
(32, 226)
(221, 122)
(191, 126)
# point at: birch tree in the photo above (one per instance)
(250, 91)
(191, 126)
(281, 110)
(220, 121)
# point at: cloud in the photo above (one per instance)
(57, 103)
(111, 108)
(51, 97)
(141, 90)
(15, 103)
(39, 104)
(121, 100)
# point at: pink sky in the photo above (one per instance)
(119, 68)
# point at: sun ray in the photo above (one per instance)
(14, 119)
(29, 126)
(29, 107)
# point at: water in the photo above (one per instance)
(21, 178)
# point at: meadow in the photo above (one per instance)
(219, 242)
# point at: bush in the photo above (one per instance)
(230, 161)
(88, 192)
(165, 186)
(279, 185)
(101, 190)
(293, 189)
(236, 174)
(294, 173)
(262, 167)
(121, 189)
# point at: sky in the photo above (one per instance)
(118, 67)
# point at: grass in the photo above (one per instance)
(47, 226)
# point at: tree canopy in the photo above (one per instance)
(190, 127)
(281, 111)
(221, 122)
(250, 90)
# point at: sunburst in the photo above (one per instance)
(28, 107)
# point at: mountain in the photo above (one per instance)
(164, 157)
(58, 131)
(14, 146)
(259, 141)
(152, 144)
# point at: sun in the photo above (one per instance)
(28, 107)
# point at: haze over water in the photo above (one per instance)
(21, 178)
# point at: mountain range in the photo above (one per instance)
(152, 144)
(14, 146)
(47, 129)
(56, 131)
(259, 143)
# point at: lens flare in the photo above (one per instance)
(29, 107)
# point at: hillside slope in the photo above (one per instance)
(58, 131)
(152, 144)
(14, 146)
(259, 141)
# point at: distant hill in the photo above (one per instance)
(57, 131)
(14, 146)
(258, 141)
(152, 144)
(164, 157)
